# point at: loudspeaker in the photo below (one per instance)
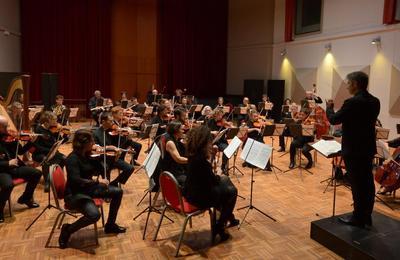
(276, 93)
(49, 89)
(253, 89)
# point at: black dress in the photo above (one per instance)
(169, 164)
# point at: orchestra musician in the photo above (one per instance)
(220, 102)
(15, 111)
(184, 103)
(10, 168)
(255, 126)
(265, 100)
(288, 112)
(181, 115)
(174, 160)
(216, 124)
(60, 110)
(205, 189)
(301, 142)
(162, 119)
(358, 116)
(206, 114)
(125, 141)
(178, 95)
(111, 143)
(123, 102)
(246, 104)
(311, 96)
(49, 134)
(96, 101)
(81, 188)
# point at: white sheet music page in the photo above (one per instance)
(151, 161)
(232, 147)
(327, 147)
(246, 148)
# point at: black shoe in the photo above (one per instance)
(64, 236)
(244, 164)
(218, 229)
(291, 165)
(114, 228)
(1, 217)
(268, 168)
(233, 222)
(281, 150)
(28, 202)
(351, 221)
(309, 165)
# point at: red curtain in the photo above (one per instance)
(389, 12)
(193, 46)
(71, 38)
(289, 19)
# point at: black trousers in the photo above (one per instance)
(221, 147)
(282, 138)
(300, 142)
(89, 210)
(58, 158)
(31, 175)
(135, 146)
(225, 194)
(126, 171)
(362, 185)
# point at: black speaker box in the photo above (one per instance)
(253, 89)
(49, 89)
(276, 93)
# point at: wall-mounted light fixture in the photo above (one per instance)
(8, 32)
(328, 47)
(283, 52)
(376, 41)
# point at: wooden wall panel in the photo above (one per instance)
(134, 47)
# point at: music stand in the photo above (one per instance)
(232, 150)
(148, 111)
(382, 133)
(271, 131)
(48, 157)
(296, 130)
(152, 133)
(149, 165)
(257, 154)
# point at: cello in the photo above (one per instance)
(388, 175)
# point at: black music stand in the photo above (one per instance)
(48, 157)
(269, 130)
(296, 130)
(249, 207)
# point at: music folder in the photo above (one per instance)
(256, 153)
(232, 147)
(151, 160)
(327, 148)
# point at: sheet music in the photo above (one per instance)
(151, 161)
(327, 147)
(232, 147)
(256, 153)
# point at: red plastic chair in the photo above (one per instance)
(57, 183)
(174, 200)
(16, 182)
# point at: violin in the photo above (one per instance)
(60, 129)
(13, 136)
(224, 123)
(123, 131)
(110, 152)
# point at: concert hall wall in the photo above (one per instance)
(192, 46)
(68, 37)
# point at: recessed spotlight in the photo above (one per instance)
(283, 52)
(328, 47)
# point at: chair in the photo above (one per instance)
(16, 182)
(174, 200)
(73, 113)
(57, 183)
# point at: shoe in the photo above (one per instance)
(244, 164)
(351, 221)
(281, 150)
(268, 169)
(64, 236)
(135, 163)
(1, 217)
(309, 165)
(233, 223)
(218, 229)
(291, 165)
(114, 229)
(28, 202)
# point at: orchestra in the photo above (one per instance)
(189, 148)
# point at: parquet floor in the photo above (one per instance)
(292, 199)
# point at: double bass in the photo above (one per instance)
(388, 175)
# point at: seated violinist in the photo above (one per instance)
(174, 160)
(206, 114)
(301, 142)
(220, 102)
(205, 189)
(60, 110)
(126, 140)
(286, 113)
(102, 134)
(246, 104)
(81, 188)
(255, 126)
(11, 168)
(184, 103)
(181, 115)
(94, 103)
(124, 100)
(162, 119)
(216, 124)
(50, 133)
(266, 106)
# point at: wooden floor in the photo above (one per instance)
(292, 199)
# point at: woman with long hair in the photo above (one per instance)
(205, 189)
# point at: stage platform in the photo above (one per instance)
(381, 241)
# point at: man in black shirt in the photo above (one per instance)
(358, 116)
(96, 101)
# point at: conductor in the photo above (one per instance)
(358, 116)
